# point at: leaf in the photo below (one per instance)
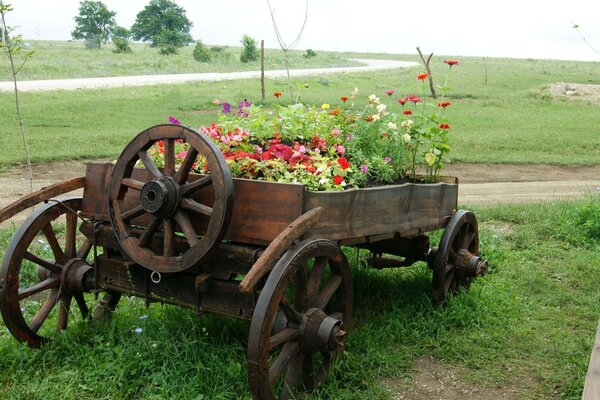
(430, 159)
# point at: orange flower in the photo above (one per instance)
(444, 104)
(445, 126)
(277, 94)
(422, 76)
(407, 112)
(335, 111)
(344, 99)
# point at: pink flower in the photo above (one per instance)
(335, 132)
(451, 62)
(341, 149)
(364, 169)
(216, 102)
(387, 160)
(389, 92)
(173, 120)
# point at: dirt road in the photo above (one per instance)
(480, 184)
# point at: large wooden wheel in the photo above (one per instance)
(456, 262)
(44, 274)
(169, 202)
(301, 321)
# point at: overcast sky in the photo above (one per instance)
(500, 28)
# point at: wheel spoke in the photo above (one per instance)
(308, 372)
(287, 352)
(40, 287)
(55, 268)
(184, 170)
(299, 282)
(193, 205)
(132, 183)
(290, 312)
(188, 230)
(292, 377)
(146, 237)
(284, 336)
(469, 237)
(39, 318)
(84, 250)
(82, 305)
(150, 166)
(133, 213)
(328, 290)
(169, 169)
(190, 188)
(63, 312)
(59, 255)
(314, 281)
(71, 235)
(169, 237)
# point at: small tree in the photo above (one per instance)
(163, 24)
(250, 51)
(120, 38)
(95, 22)
(202, 53)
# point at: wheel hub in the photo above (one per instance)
(469, 265)
(160, 196)
(318, 332)
(73, 276)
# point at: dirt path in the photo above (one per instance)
(480, 184)
(143, 80)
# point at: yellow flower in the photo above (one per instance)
(325, 106)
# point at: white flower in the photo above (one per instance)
(138, 330)
(355, 91)
(381, 108)
(408, 123)
(406, 138)
(142, 317)
(323, 181)
(375, 117)
(373, 99)
(392, 125)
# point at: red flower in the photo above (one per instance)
(401, 101)
(422, 76)
(280, 151)
(338, 179)
(277, 94)
(344, 99)
(389, 92)
(451, 62)
(343, 163)
(445, 126)
(444, 104)
(413, 98)
(407, 112)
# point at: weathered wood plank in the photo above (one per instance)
(39, 196)
(591, 390)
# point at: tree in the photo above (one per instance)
(95, 22)
(120, 39)
(250, 51)
(164, 24)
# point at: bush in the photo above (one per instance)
(250, 51)
(309, 54)
(169, 41)
(201, 52)
(120, 39)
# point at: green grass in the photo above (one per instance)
(511, 119)
(529, 323)
(67, 60)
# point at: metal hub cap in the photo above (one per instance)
(160, 196)
(319, 332)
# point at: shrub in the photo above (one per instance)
(120, 39)
(250, 51)
(201, 52)
(309, 54)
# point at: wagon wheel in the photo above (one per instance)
(301, 321)
(44, 272)
(456, 262)
(170, 199)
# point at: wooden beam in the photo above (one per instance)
(591, 390)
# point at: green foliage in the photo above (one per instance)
(95, 22)
(309, 54)
(164, 24)
(250, 51)
(120, 38)
(202, 53)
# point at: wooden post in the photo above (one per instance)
(262, 70)
(591, 390)
(426, 64)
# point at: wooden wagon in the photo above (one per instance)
(265, 252)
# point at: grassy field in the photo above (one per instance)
(64, 60)
(529, 324)
(509, 119)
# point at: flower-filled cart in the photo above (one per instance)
(167, 222)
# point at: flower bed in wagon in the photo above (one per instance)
(358, 142)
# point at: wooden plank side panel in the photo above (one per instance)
(378, 211)
(261, 210)
(591, 390)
